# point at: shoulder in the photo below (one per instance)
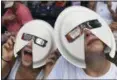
(113, 67)
(114, 70)
(114, 3)
(61, 59)
(14, 69)
(59, 69)
(62, 69)
(63, 62)
(114, 6)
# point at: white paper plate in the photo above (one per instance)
(69, 19)
(42, 30)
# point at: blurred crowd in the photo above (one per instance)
(14, 17)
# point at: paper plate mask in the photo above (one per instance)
(70, 37)
(40, 32)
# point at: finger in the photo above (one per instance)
(50, 61)
(13, 39)
(53, 57)
(11, 42)
(57, 53)
(6, 46)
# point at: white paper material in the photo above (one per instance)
(42, 30)
(71, 18)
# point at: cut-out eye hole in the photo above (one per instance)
(40, 41)
(92, 24)
(77, 31)
(95, 24)
(27, 37)
(73, 34)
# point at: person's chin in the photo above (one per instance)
(26, 64)
(95, 47)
